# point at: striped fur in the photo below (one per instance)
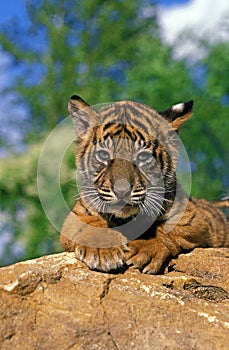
(126, 158)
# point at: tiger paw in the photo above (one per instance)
(149, 256)
(102, 259)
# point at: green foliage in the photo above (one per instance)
(103, 51)
(85, 47)
(206, 136)
(22, 212)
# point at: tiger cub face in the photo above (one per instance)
(126, 156)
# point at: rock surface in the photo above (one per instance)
(56, 302)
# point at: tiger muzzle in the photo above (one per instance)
(122, 189)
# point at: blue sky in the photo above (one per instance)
(12, 8)
(17, 8)
(174, 15)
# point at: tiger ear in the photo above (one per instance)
(84, 117)
(178, 114)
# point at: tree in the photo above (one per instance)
(206, 138)
(73, 46)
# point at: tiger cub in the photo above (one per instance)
(132, 211)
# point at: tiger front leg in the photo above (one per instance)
(149, 256)
(102, 259)
(202, 225)
(100, 248)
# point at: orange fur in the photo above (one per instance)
(90, 231)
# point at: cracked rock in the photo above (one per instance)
(56, 302)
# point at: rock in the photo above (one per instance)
(56, 302)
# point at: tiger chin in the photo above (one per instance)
(132, 212)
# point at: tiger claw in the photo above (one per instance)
(102, 259)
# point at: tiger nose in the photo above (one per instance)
(122, 188)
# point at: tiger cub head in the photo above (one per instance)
(126, 156)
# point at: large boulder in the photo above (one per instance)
(56, 302)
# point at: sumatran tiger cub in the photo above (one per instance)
(132, 211)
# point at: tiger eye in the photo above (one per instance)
(103, 155)
(143, 156)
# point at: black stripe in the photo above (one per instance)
(108, 111)
(130, 133)
(161, 160)
(107, 126)
(155, 144)
(94, 141)
(169, 163)
(155, 147)
(139, 111)
(114, 130)
(139, 124)
(151, 113)
(98, 177)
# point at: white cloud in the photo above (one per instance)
(203, 18)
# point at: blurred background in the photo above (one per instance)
(156, 52)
